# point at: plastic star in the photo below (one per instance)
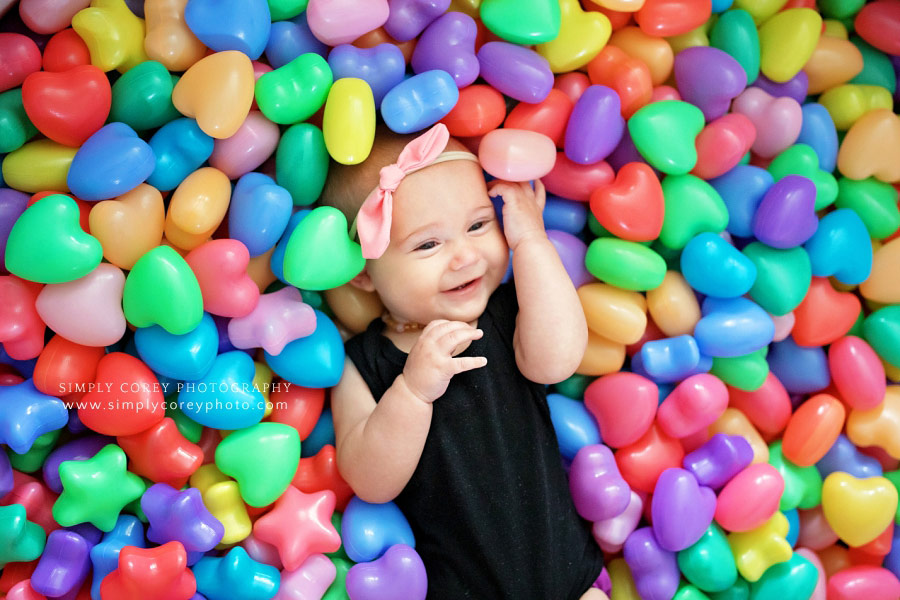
(180, 516)
(220, 577)
(299, 525)
(151, 573)
(95, 490)
(113, 34)
(279, 318)
(26, 414)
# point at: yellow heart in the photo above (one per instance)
(883, 284)
(616, 314)
(757, 550)
(847, 103)
(787, 41)
(217, 91)
(872, 147)
(582, 35)
(113, 34)
(197, 207)
(858, 510)
(169, 40)
(130, 225)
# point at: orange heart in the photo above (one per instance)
(872, 147)
(217, 91)
(824, 315)
(130, 225)
(883, 285)
(632, 207)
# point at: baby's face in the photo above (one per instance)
(447, 253)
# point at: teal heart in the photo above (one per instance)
(524, 22)
(735, 33)
(709, 563)
(801, 159)
(796, 578)
(782, 277)
(664, 134)
(802, 485)
(15, 127)
(162, 290)
(47, 245)
(142, 97)
(692, 206)
(319, 254)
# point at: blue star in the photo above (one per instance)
(236, 576)
(26, 414)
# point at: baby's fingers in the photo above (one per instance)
(455, 337)
(467, 363)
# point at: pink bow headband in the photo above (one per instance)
(373, 222)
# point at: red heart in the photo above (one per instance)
(824, 315)
(642, 462)
(320, 472)
(162, 454)
(297, 406)
(69, 106)
(632, 207)
(19, 57)
(722, 144)
(221, 270)
(575, 181)
(126, 398)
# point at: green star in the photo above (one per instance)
(96, 490)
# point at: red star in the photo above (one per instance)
(147, 574)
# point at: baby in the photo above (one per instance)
(442, 405)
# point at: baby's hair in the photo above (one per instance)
(347, 186)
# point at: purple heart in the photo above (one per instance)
(571, 252)
(795, 87)
(399, 573)
(12, 204)
(449, 45)
(597, 487)
(595, 126)
(718, 460)
(654, 569)
(516, 71)
(408, 18)
(681, 508)
(382, 66)
(709, 78)
(786, 216)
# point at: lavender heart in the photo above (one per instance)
(681, 508)
(449, 45)
(400, 573)
(597, 487)
(516, 71)
(654, 569)
(718, 460)
(382, 66)
(180, 516)
(709, 78)
(408, 18)
(795, 87)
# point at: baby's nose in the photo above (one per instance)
(464, 255)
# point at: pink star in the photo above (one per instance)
(279, 318)
(299, 526)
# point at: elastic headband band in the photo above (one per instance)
(373, 221)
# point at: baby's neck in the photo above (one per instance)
(405, 340)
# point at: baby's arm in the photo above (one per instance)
(551, 332)
(379, 444)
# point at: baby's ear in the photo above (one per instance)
(363, 281)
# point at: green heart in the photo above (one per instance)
(782, 277)
(664, 133)
(625, 264)
(735, 33)
(709, 563)
(522, 21)
(47, 245)
(692, 206)
(801, 159)
(295, 91)
(282, 10)
(301, 163)
(894, 478)
(747, 372)
(142, 96)
(15, 127)
(882, 330)
(338, 588)
(796, 578)
(162, 290)
(319, 254)
(262, 458)
(802, 485)
(874, 201)
(689, 592)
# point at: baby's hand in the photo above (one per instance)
(523, 209)
(431, 364)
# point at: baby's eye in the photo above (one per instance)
(427, 245)
(477, 225)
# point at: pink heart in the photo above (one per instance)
(221, 269)
(777, 120)
(88, 310)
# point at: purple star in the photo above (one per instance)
(180, 516)
(280, 318)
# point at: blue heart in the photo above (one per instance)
(289, 39)
(382, 66)
(420, 101)
(841, 247)
(114, 160)
(315, 361)
(368, 530)
(574, 425)
(818, 132)
(241, 25)
(742, 189)
(225, 398)
(181, 357)
(259, 212)
(732, 327)
(180, 148)
(129, 531)
(714, 267)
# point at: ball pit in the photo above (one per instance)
(722, 189)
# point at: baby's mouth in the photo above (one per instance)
(465, 286)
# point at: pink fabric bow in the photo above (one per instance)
(373, 223)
